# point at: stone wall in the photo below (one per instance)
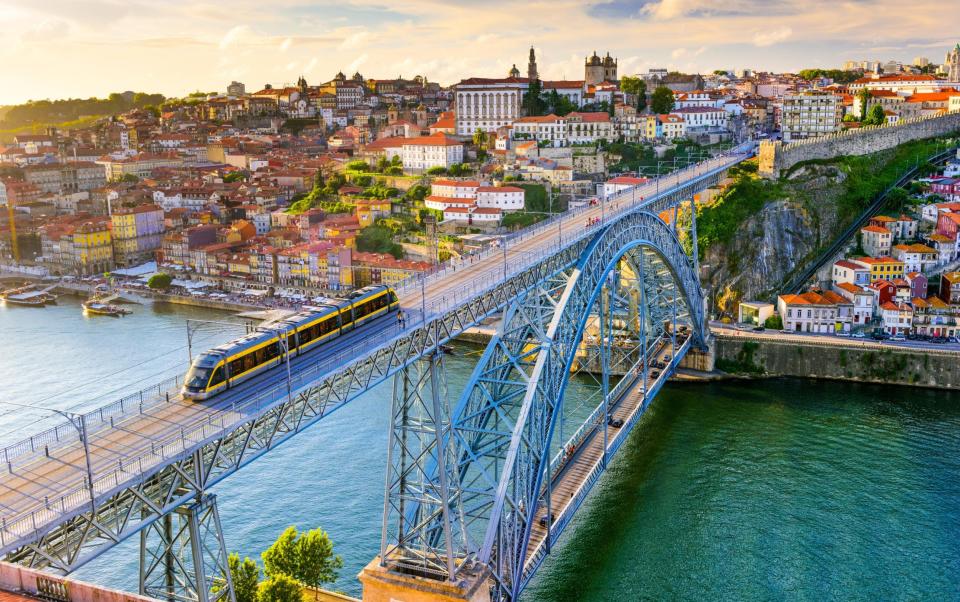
(775, 157)
(46, 586)
(852, 360)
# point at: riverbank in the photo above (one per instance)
(758, 356)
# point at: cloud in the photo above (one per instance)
(355, 40)
(769, 38)
(285, 44)
(233, 36)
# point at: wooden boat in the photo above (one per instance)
(98, 308)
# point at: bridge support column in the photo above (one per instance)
(381, 584)
(422, 480)
(183, 557)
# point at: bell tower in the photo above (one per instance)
(532, 66)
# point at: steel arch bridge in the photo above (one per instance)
(470, 484)
(487, 470)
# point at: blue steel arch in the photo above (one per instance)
(505, 419)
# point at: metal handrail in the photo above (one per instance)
(243, 411)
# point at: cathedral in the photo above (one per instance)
(597, 70)
(952, 65)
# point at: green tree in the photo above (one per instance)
(436, 171)
(374, 239)
(661, 102)
(637, 86)
(281, 556)
(480, 138)
(532, 102)
(774, 322)
(235, 176)
(316, 562)
(358, 166)
(279, 588)
(245, 575)
(160, 281)
(864, 96)
(875, 116)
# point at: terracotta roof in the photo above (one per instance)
(457, 183)
(499, 189)
(875, 229)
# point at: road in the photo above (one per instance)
(39, 485)
(827, 339)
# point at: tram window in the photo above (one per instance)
(236, 366)
(292, 341)
(217, 377)
(249, 361)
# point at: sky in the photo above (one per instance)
(82, 48)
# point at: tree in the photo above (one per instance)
(160, 281)
(876, 116)
(661, 102)
(864, 96)
(774, 322)
(637, 86)
(245, 576)
(281, 556)
(479, 138)
(316, 562)
(372, 239)
(532, 101)
(279, 588)
(642, 96)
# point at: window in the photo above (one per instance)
(217, 377)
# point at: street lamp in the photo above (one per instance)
(79, 422)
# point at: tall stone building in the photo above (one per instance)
(597, 70)
(952, 64)
(532, 67)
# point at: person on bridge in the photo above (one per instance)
(401, 319)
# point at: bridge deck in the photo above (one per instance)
(39, 487)
(577, 471)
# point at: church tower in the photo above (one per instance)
(514, 72)
(952, 65)
(532, 67)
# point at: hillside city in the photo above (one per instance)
(660, 302)
(278, 192)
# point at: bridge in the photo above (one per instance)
(480, 483)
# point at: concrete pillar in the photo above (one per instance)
(699, 359)
(380, 584)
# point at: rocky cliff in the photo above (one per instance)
(772, 243)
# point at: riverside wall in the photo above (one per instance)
(850, 360)
(776, 157)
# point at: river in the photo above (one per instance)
(740, 490)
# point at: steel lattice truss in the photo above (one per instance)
(535, 346)
(422, 482)
(183, 469)
(504, 421)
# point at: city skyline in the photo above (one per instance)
(70, 49)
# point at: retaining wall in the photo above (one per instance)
(854, 361)
(776, 157)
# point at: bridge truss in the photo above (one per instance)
(501, 431)
(493, 446)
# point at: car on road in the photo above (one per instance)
(898, 338)
(758, 328)
(859, 335)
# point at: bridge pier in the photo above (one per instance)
(183, 557)
(382, 584)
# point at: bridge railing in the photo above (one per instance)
(595, 418)
(98, 419)
(141, 463)
(138, 402)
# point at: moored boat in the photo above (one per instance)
(98, 308)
